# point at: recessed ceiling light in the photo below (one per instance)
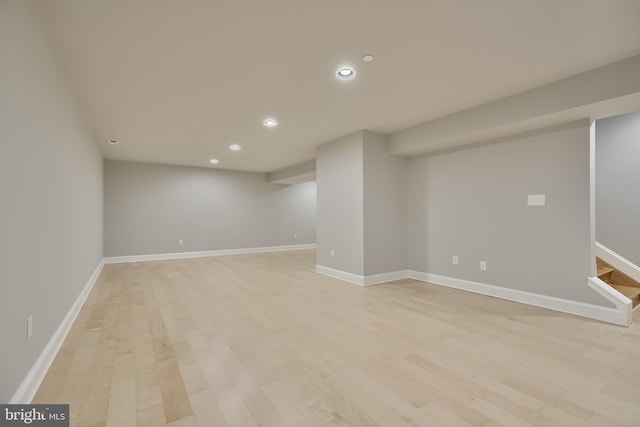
(346, 73)
(234, 147)
(367, 58)
(270, 123)
(113, 142)
(214, 161)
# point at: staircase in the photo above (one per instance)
(619, 281)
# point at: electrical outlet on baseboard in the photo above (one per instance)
(454, 260)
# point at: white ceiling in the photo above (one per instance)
(178, 81)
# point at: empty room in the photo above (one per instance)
(319, 213)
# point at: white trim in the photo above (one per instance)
(622, 303)
(203, 254)
(616, 315)
(374, 279)
(618, 262)
(31, 382)
(339, 274)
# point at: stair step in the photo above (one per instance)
(601, 263)
(631, 292)
(603, 271)
(619, 278)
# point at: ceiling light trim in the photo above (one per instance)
(346, 73)
(270, 122)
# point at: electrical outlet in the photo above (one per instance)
(94, 257)
(454, 260)
(295, 235)
(483, 265)
(536, 200)
(181, 242)
(333, 253)
(29, 326)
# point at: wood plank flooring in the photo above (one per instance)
(262, 340)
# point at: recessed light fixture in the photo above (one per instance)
(346, 73)
(367, 58)
(214, 161)
(234, 147)
(113, 141)
(270, 123)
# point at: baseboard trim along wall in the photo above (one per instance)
(620, 315)
(618, 262)
(360, 280)
(31, 382)
(622, 303)
(204, 254)
(617, 316)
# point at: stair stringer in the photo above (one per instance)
(623, 308)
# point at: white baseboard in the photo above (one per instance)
(339, 274)
(618, 262)
(618, 316)
(623, 304)
(31, 382)
(374, 279)
(203, 254)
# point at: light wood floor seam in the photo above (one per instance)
(262, 340)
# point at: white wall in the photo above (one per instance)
(340, 204)
(149, 207)
(50, 193)
(473, 204)
(618, 185)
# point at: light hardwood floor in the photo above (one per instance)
(262, 340)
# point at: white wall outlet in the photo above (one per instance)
(94, 257)
(181, 242)
(454, 260)
(483, 265)
(536, 200)
(295, 235)
(29, 326)
(333, 253)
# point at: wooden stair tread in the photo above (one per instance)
(604, 271)
(630, 292)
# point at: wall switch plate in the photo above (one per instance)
(29, 326)
(180, 242)
(454, 260)
(333, 253)
(483, 265)
(536, 200)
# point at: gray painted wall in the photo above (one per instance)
(149, 207)
(618, 185)
(385, 207)
(50, 193)
(473, 204)
(340, 204)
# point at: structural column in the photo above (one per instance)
(362, 209)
